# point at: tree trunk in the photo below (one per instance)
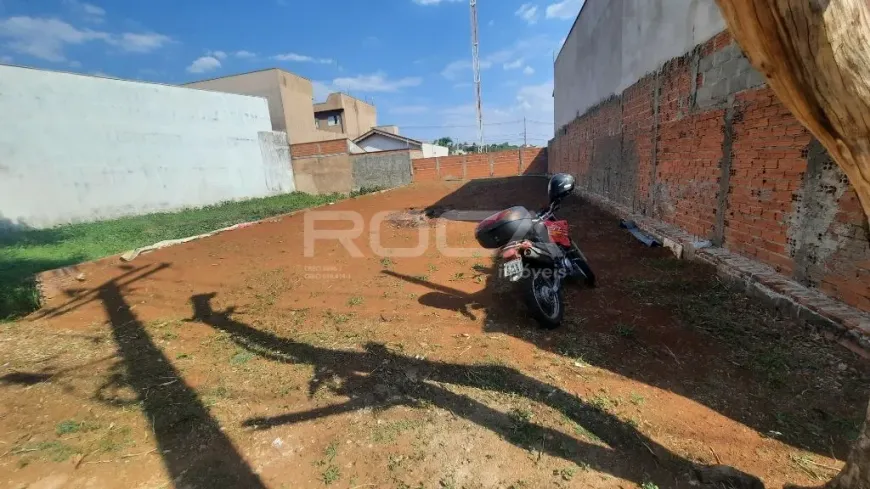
(815, 55)
(856, 473)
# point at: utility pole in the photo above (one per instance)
(525, 133)
(475, 62)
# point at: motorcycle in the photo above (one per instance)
(536, 251)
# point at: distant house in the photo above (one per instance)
(292, 108)
(384, 139)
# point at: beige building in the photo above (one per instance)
(292, 108)
(344, 114)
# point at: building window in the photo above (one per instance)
(333, 120)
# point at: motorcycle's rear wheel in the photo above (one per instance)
(543, 297)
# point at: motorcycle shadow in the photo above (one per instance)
(497, 297)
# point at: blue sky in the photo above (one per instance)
(411, 58)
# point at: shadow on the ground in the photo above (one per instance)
(673, 324)
(379, 378)
(195, 452)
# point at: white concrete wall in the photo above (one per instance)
(80, 148)
(614, 43)
(433, 150)
(379, 142)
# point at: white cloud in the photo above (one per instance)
(433, 2)
(528, 70)
(514, 65)
(204, 65)
(221, 55)
(566, 9)
(140, 43)
(532, 47)
(528, 12)
(377, 82)
(409, 109)
(44, 38)
(245, 54)
(537, 98)
(299, 58)
(88, 11)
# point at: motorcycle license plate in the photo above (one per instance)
(512, 268)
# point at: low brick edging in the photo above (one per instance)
(845, 324)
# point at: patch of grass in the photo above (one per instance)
(355, 301)
(388, 432)
(649, 485)
(603, 402)
(331, 473)
(424, 277)
(580, 430)
(115, 440)
(241, 357)
(336, 318)
(637, 399)
(55, 450)
(25, 252)
(366, 190)
(432, 267)
(387, 262)
(624, 330)
(457, 276)
(567, 473)
(69, 426)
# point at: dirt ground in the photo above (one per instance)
(236, 361)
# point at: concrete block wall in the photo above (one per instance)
(382, 169)
(526, 161)
(79, 148)
(702, 144)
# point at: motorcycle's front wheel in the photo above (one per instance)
(543, 297)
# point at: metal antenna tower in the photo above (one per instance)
(475, 62)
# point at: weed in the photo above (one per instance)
(336, 318)
(68, 426)
(387, 262)
(625, 330)
(182, 356)
(649, 485)
(424, 278)
(432, 267)
(241, 357)
(115, 440)
(580, 430)
(637, 399)
(366, 190)
(388, 432)
(458, 276)
(566, 474)
(331, 474)
(355, 301)
(603, 402)
(55, 450)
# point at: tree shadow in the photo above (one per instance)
(378, 378)
(195, 452)
(673, 324)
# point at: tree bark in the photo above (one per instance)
(815, 55)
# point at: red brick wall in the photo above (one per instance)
(527, 161)
(335, 146)
(739, 170)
